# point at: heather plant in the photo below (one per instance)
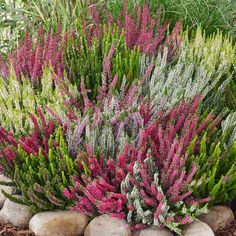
(34, 142)
(203, 65)
(216, 52)
(216, 164)
(208, 14)
(85, 56)
(167, 84)
(109, 123)
(38, 164)
(147, 183)
(30, 56)
(18, 98)
(216, 172)
(140, 28)
(117, 116)
(73, 55)
(130, 187)
(125, 37)
(217, 55)
(41, 177)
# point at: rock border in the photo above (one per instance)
(70, 223)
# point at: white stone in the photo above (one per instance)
(106, 225)
(58, 223)
(7, 189)
(197, 228)
(218, 217)
(152, 231)
(16, 214)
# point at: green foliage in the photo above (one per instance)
(86, 60)
(216, 54)
(41, 179)
(211, 15)
(216, 175)
(203, 65)
(18, 98)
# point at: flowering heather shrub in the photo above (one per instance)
(140, 28)
(18, 98)
(42, 177)
(29, 57)
(202, 66)
(167, 84)
(114, 120)
(216, 162)
(35, 142)
(73, 55)
(116, 117)
(217, 55)
(85, 57)
(148, 183)
(38, 164)
(217, 51)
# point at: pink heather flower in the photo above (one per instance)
(9, 153)
(155, 166)
(67, 193)
(84, 93)
(120, 215)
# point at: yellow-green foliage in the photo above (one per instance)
(18, 98)
(216, 53)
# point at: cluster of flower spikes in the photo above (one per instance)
(141, 30)
(30, 57)
(149, 183)
(37, 140)
(118, 116)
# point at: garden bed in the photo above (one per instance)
(118, 119)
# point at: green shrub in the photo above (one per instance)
(18, 98)
(216, 175)
(42, 178)
(211, 15)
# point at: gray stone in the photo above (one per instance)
(5, 188)
(218, 217)
(197, 228)
(106, 225)
(58, 223)
(16, 214)
(152, 231)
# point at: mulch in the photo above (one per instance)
(230, 230)
(10, 230)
